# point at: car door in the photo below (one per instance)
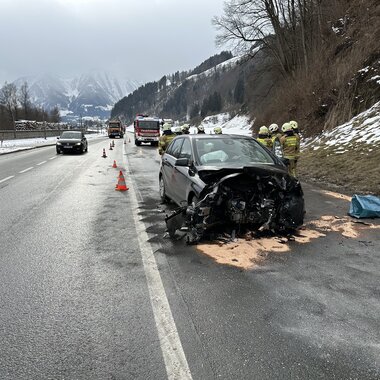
(168, 161)
(181, 174)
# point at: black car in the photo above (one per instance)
(219, 179)
(72, 141)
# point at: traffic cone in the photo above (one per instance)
(121, 175)
(114, 164)
(121, 186)
(111, 146)
(104, 153)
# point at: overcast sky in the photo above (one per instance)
(141, 39)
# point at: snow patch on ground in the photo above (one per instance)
(363, 128)
(8, 146)
(237, 125)
(230, 63)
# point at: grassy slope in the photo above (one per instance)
(355, 171)
(340, 85)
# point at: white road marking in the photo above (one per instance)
(6, 179)
(26, 170)
(41, 163)
(52, 158)
(171, 346)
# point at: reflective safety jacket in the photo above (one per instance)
(278, 136)
(299, 143)
(265, 140)
(164, 141)
(290, 146)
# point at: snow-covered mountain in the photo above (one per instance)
(92, 94)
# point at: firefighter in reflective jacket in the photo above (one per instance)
(291, 147)
(296, 131)
(275, 132)
(166, 138)
(264, 137)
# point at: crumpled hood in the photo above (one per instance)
(212, 175)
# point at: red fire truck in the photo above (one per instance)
(146, 129)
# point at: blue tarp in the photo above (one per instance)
(365, 206)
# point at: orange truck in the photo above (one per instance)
(115, 128)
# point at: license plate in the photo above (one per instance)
(68, 146)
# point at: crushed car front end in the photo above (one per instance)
(257, 197)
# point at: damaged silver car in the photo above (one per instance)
(227, 181)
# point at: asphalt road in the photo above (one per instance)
(92, 289)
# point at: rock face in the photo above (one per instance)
(88, 95)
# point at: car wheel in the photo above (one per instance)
(137, 143)
(86, 149)
(163, 196)
(58, 151)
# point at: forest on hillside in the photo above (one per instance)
(184, 95)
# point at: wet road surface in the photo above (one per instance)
(80, 296)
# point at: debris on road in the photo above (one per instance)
(246, 254)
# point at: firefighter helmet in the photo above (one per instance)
(273, 128)
(286, 127)
(263, 130)
(218, 130)
(166, 127)
(293, 124)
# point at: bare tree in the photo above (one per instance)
(8, 98)
(288, 29)
(24, 98)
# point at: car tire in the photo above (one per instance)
(137, 143)
(163, 196)
(58, 151)
(86, 149)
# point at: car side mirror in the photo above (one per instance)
(182, 162)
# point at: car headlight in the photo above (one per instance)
(78, 144)
(58, 143)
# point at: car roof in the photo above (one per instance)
(224, 135)
(70, 131)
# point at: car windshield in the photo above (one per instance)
(145, 124)
(227, 151)
(71, 135)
